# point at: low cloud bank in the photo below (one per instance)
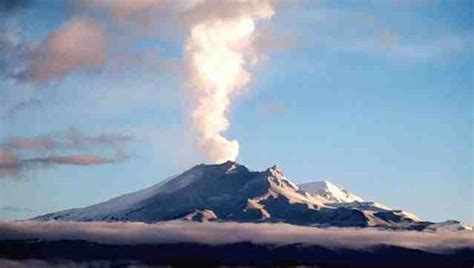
(131, 233)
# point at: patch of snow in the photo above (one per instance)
(113, 205)
(201, 215)
(329, 192)
(448, 226)
(181, 181)
(409, 215)
(283, 186)
(367, 206)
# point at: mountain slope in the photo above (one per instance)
(329, 192)
(335, 196)
(231, 192)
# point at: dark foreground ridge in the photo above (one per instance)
(75, 253)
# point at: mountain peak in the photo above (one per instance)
(225, 164)
(229, 163)
(329, 192)
(275, 170)
(230, 192)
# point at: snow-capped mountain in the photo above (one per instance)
(329, 192)
(231, 192)
(335, 196)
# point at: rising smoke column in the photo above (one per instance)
(217, 52)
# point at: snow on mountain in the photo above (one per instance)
(374, 207)
(448, 226)
(201, 215)
(115, 205)
(231, 192)
(329, 192)
(335, 196)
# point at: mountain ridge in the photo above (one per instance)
(231, 192)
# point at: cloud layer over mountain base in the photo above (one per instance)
(130, 233)
(80, 244)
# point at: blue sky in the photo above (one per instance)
(375, 96)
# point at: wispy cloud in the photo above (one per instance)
(14, 209)
(80, 160)
(120, 233)
(66, 148)
(31, 143)
(356, 31)
(390, 44)
(8, 164)
(14, 109)
(270, 108)
(129, 9)
(70, 139)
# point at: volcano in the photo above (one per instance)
(230, 192)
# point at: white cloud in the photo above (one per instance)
(122, 233)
